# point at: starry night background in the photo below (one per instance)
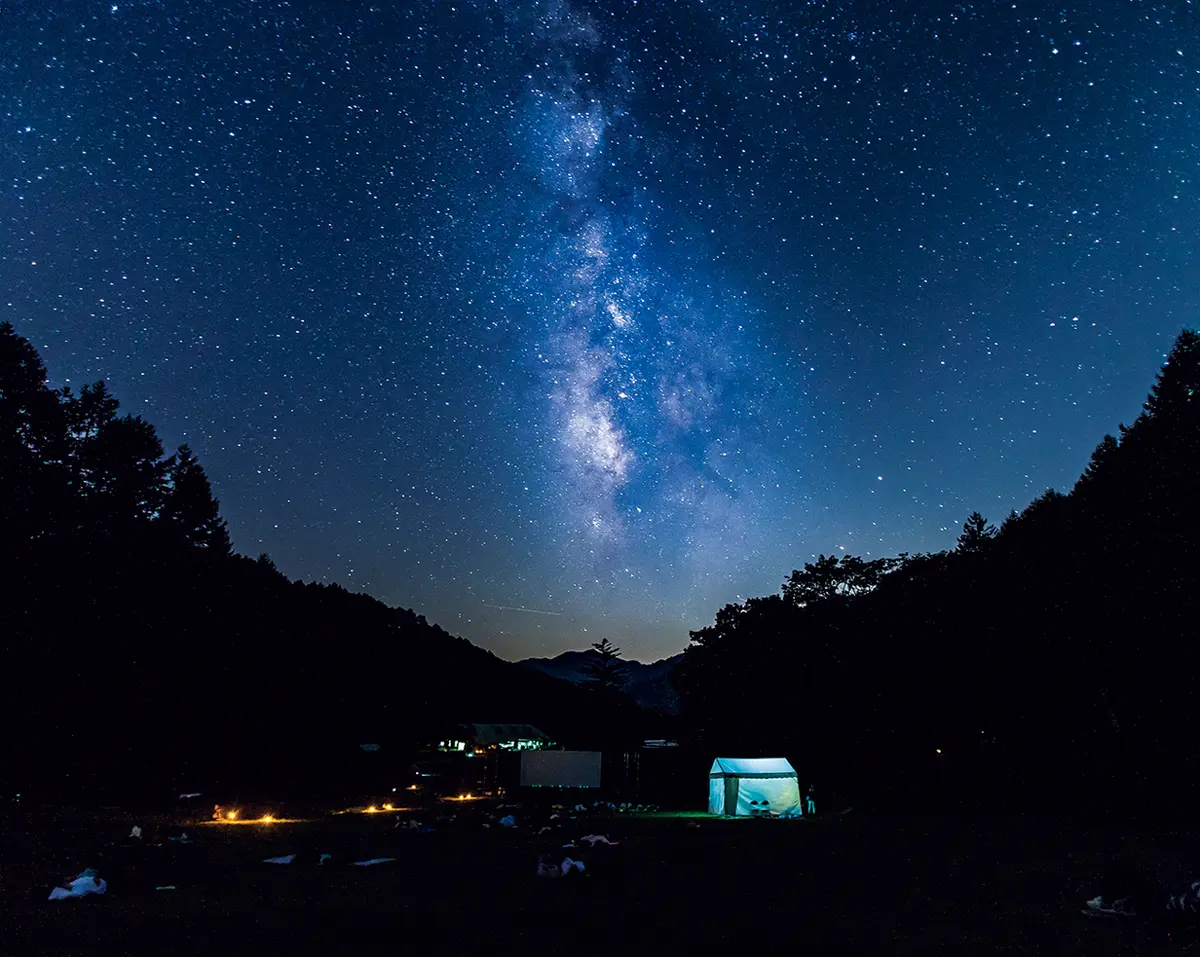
(569, 320)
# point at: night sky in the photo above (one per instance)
(580, 319)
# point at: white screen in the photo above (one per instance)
(561, 769)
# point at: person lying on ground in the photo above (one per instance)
(1130, 893)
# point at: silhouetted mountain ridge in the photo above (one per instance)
(650, 685)
(137, 649)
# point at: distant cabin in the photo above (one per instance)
(480, 738)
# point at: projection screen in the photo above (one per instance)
(560, 769)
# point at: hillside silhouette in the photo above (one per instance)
(1051, 655)
(1054, 655)
(650, 685)
(140, 653)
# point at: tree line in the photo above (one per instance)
(75, 471)
(1064, 637)
(139, 651)
(135, 643)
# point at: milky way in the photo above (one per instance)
(641, 372)
(557, 320)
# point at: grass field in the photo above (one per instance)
(676, 883)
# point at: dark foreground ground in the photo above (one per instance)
(854, 884)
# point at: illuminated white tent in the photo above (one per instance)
(733, 783)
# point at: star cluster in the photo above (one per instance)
(609, 311)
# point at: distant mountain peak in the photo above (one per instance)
(650, 685)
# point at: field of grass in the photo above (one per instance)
(676, 883)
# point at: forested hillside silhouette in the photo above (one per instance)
(138, 652)
(1053, 654)
(1057, 652)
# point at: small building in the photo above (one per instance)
(479, 738)
(743, 786)
(475, 758)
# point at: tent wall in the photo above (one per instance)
(783, 794)
(716, 795)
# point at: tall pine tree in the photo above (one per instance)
(605, 672)
(1100, 464)
(190, 508)
(1176, 392)
(33, 444)
(976, 535)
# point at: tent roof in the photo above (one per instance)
(753, 767)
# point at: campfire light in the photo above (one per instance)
(237, 818)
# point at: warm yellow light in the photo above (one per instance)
(412, 787)
(388, 807)
(939, 750)
(235, 819)
(372, 809)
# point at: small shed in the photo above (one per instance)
(741, 786)
(474, 738)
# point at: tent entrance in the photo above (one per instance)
(742, 787)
